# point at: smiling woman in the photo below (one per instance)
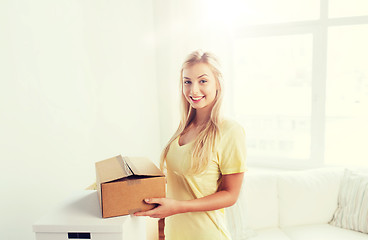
(204, 160)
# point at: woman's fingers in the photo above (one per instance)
(149, 213)
(152, 212)
(153, 200)
(165, 207)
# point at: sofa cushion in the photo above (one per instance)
(270, 234)
(352, 211)
(259, 199)
(308, 197)
(322, 232)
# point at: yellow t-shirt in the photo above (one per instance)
(229, 158)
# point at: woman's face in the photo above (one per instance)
(199, 86)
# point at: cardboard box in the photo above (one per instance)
(124, 182)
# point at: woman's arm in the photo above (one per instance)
(226, 196)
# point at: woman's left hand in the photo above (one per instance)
(166, 207)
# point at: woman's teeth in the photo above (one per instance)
(196, 98)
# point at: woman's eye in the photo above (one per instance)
(203, 81)
(187, 82)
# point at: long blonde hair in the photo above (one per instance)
(205, 143)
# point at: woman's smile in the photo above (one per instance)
(196, 99)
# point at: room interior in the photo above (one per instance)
(83, 81)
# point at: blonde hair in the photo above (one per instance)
(205, 142)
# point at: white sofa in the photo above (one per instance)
(293, 205)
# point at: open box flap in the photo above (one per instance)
(112, 169)
(142, 166)
(119, 167)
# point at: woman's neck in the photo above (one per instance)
(202, 117)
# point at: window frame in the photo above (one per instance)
(319, 30)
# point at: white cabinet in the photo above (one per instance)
(79, 217)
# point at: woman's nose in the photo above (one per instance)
(195, 89)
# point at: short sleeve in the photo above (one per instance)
(232, 150)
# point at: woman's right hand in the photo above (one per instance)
(166, 207)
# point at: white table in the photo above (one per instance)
(79, 217)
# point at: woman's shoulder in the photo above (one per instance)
(229, 125)
(231, 132)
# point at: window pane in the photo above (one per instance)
(272, 94)
(347, 8)
(347, 96)
(277, 11)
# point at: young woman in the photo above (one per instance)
(204, 160)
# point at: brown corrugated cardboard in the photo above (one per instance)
(124, 182)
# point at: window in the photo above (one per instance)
(256, 12)
(272, 91)
(347, 95)
(300, 84)
(345, 8)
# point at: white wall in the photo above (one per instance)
(78, 85)
(183, 27)
(82, 81)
